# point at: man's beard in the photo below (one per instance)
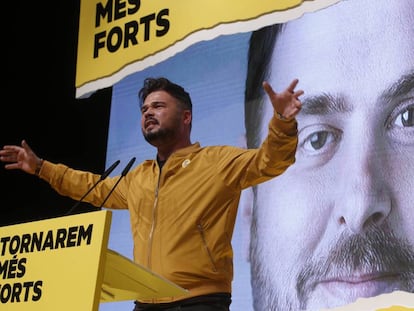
(159, 136)
(372, 251)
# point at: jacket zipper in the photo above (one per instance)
(151, 235)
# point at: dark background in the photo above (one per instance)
(39, 105)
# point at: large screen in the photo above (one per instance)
(337, 225)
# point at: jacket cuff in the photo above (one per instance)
(46, 170)
(287, 127)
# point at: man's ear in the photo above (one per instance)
(246, 209)
(188, 116)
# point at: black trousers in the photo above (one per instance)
(211, 302)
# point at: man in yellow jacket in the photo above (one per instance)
(183, 204)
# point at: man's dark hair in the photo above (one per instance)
(163, 84)
(261, 46)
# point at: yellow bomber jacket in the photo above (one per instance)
(182, 220)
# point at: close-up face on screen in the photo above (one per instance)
(343, 212)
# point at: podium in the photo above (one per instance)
(63, 263)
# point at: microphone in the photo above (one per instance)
(109, 170)
(103, 176)
(124, 172)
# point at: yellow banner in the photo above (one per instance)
(54, 264)
(117, 38)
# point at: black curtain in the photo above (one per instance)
(39, 105)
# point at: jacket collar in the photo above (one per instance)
(187, 150)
